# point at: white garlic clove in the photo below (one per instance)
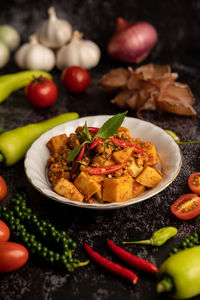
(4, 54)
(32, 55)
(54, 32)
(83, 53)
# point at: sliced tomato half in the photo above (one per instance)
(194, 183)
(186, 207)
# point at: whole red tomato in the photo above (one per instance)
(76, 79)
(186, 207)
(3, 188)
(12, 256)
(4, 232)
(41, 92)
(194, 183)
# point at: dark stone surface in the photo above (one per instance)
(178, 24)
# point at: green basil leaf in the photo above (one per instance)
(74, 153)
(86, 132)
(110, 127)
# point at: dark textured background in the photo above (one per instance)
(178, 25)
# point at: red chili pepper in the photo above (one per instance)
(94, 143)
(93, 129)
(125, 144)
(79, 158)
(111, 266)
(132, 260)
(105, 169)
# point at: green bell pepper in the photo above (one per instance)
(181, 274)
(15, 143)
(12, 82)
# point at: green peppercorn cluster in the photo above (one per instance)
(41, 238)
(190, 242)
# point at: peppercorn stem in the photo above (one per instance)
(147, 242)
(82, 263)
(186, 143)
(165, 285)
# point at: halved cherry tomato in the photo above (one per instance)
(194, 183)
(3, 188)
(186, 207)
(4, 232)
(12, 256)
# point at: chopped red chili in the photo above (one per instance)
(125, 144)
(93, 129)
(94, 143)
(111, 266)
(132, 260)
(105, 169)
(79, 158)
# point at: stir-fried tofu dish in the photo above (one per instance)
(85, 167)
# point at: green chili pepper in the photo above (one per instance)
(15, 143)
(180, 274)
(12, 82)
(158, 238)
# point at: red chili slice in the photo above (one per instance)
(105, 169)
(94, 143)
(125, 144)
(93, 129)
(194, 183)
(186, 207)
(111, 266)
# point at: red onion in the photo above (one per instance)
(132, 42)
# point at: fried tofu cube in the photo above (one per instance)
(117, 189)
(99, 196)
(122, 156)
(86, 185)
(57, 143)
(68, 190)
(133, 169)
(102, 161)
(138, 189)
(149, 177)
(150, 149)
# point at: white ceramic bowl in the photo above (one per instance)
(168, 151)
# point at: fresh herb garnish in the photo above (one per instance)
(86, 132)
(108, 129)
(75, 152)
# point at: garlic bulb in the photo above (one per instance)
(32, 55)
(83, 53)
(4, 54)
(9, 36)
(54, 32)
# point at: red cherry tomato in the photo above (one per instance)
(41, 92)
(186, 207)
(3, 188)
(76, 79)
(194, 183)
(12, 256)
(4, 232)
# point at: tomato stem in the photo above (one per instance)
(2, 158)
